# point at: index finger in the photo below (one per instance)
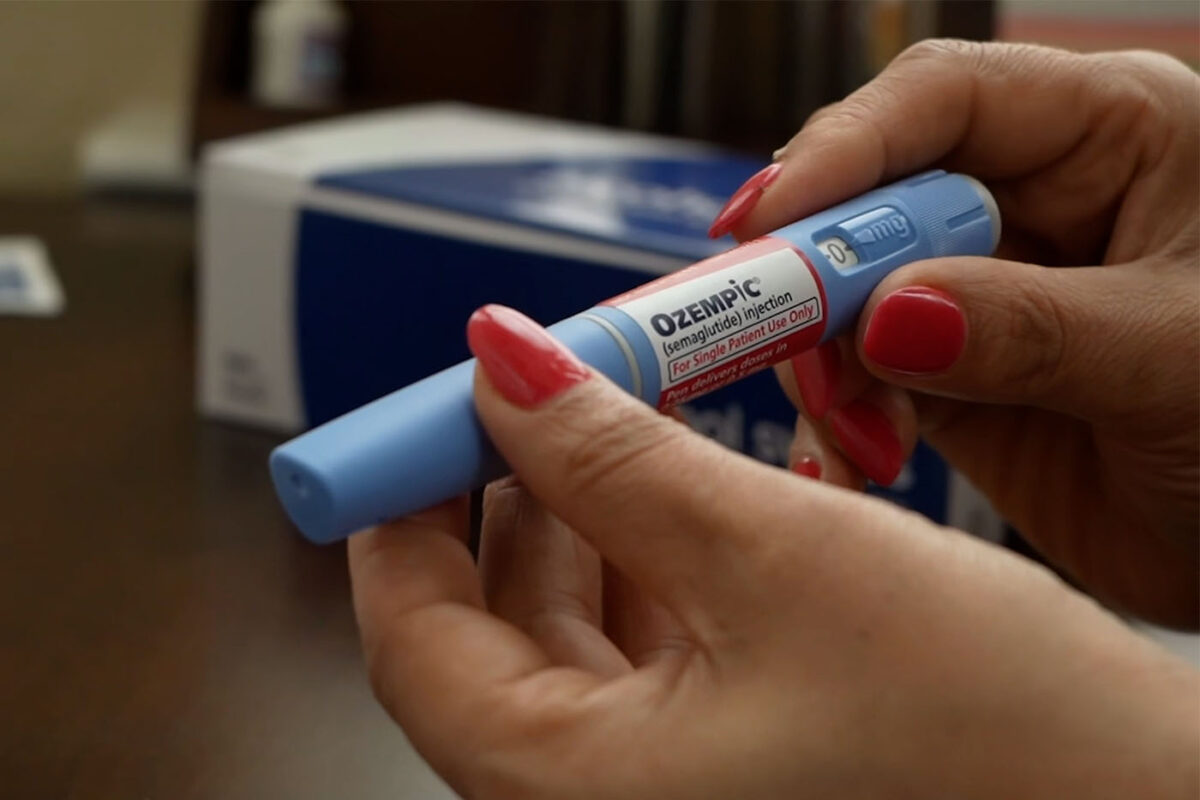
(996, 111)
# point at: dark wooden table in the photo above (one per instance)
(163, 631)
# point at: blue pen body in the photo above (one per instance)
(677, 337)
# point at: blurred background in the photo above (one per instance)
(127, 91)
(163, 631)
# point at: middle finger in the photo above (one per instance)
(540, 576)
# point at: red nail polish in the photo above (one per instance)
(743, 200)
(808, 467)
(817, 372)
(525, 364)
(917, 330)
(868, 438)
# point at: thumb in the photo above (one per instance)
(994, 331)
(656, 500)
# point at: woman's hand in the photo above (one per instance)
(1070, 397)
(656, 616)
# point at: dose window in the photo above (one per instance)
(840, 254)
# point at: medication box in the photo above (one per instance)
(340, 261)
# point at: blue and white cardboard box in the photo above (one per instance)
(340, 261)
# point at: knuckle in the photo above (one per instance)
(378, 658)
(906, 80)
(1124, 82)
(860, 112)
(1152, 67)
(501, 486)
(497, 775)
(992, 58)
(620, 444)
(537, 746)
(820, 114)
(464, 765)
(856, 112)
(505, 500)
(861, 109)
(942, 50)
(1036, 328)
(1155, 86)
(1027, 59)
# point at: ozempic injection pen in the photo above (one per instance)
(672, 339)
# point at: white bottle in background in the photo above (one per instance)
(298, 47)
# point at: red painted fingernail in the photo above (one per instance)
(808, 467)
(817, 371)
(917, 330)
(525, 364)
(868, 438)
(743, 200)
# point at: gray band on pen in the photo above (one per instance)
(634, 369)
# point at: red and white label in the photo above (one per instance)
(728, 316)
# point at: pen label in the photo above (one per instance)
(728, 316)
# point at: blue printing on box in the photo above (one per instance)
(661, 205)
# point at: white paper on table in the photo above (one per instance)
(28, 285)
